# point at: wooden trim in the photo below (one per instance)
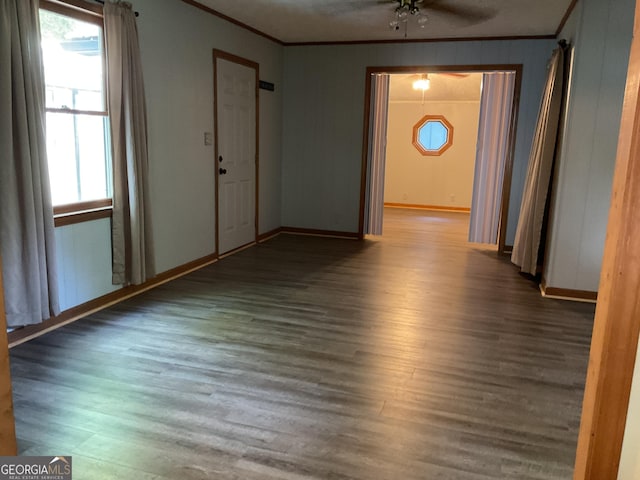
(81, 217)
(443, 208)
(80, 212)
(566, 16)
(220, 54)
(84, 11)
(422, 40)
(237, 249)
(24, 334)
(568, 293)
(263, 237)
(95, 113)
(210, 10)
(319, 233)
(508, 168)
(416, 129)
(617, 320)
(8, 445)
(82, 206)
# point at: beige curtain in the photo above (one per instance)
(26, 215)
(534, 197)
(133, 256)
(374, 205)
(492, 149)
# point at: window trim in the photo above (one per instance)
(84, 11)
(79, 212)
(416, 135)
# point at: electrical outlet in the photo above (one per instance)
(452, 197)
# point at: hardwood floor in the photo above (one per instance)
(411, 356)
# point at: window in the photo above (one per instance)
(432, 135)
(78, 144)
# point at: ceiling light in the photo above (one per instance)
(422, 84)
(405, 10)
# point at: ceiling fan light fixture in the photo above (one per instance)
(422, 84)
(405, 10)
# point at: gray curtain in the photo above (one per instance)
(26, 214)
(374, 204)
(536, 188)
(496, 105)
(133, 256)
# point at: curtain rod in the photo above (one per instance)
(102, 3)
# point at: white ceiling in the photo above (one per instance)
(443, 88)
(300, 21)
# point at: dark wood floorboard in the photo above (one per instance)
(411, 356)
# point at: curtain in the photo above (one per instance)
(26, 214)
(133, 256)
(536, 188)
(374, 205)
(496, 105)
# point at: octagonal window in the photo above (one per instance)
(432, 135)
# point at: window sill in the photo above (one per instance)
(82, 212)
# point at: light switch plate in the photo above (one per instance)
(208, 138)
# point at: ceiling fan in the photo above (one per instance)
(421, 9)
(421, 81)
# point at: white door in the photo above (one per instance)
(236, 162)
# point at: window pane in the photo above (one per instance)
(433, 135)
(79, 160)
(72, 52)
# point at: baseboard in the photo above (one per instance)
(320, 233)
(21, 335)
(440, 208)
(263, 237)
(586, 296)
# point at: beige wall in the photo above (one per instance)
(445, 180)
(630, 459)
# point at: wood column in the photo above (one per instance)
(617, 320)
(7, 422)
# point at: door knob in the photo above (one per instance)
(222, 171)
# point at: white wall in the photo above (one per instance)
(323, 119)
(176, 42)
(601, 31)
(83, 252)
(630, 459)
(444, 180)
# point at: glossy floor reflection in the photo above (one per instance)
(411, 356)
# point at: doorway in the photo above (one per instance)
(419, 177)
(431, 140)
(236, 151)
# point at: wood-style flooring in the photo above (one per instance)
(411, 356)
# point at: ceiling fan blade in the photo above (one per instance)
(467, 15)
(452, 74)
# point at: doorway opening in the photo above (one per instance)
(435, 129)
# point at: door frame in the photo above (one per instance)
(508, 167)
(223, 55)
